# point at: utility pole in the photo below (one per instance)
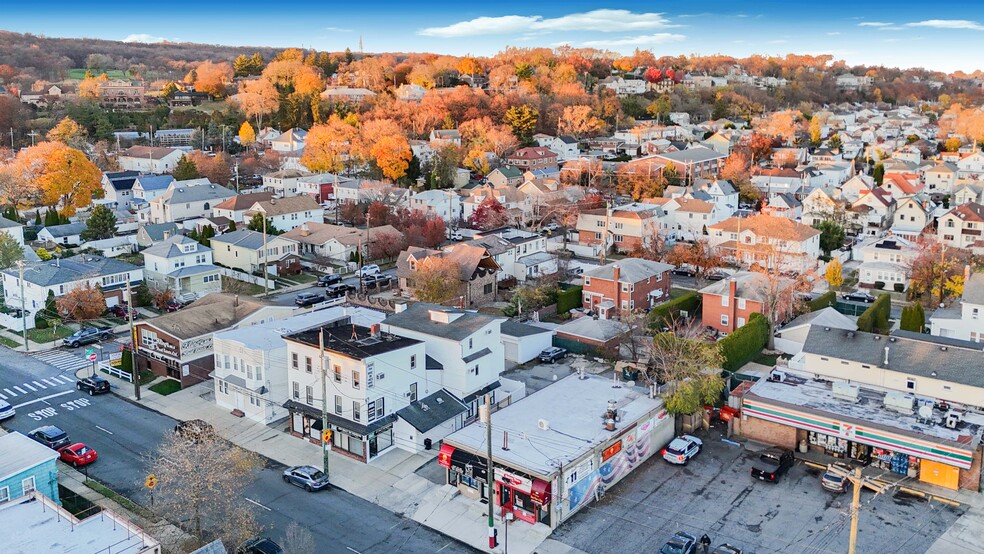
(20, 272)
(325, 433)
(857, 481)
(485, 412)
(236, 169)
(134, 368)
(266, 282)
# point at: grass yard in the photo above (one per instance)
(301, 278)
(766, 359)
(166, 387)
(241, 287)
(111, 73)
(49, 335)
(9, 343)
(119, 499)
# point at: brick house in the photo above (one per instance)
(532, 157)
(726, 305)
(478, 282)
(629, 284)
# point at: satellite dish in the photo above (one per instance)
(925, 411)
(543, 424)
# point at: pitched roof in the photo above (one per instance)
(70, 270)
(210, 313)
(242, 202)
(630, 270)
(320, 233)
(197, 193)
(147, 152)
(427, 413)
(153, 182)
(462, 323)
(155, 231)
(532, 153)
(973, 292)
(8, 224)
(65, 230)
(291, 204)
(694, 205)
(470, 258)
(244, 238)
(172, 247)
(767, 226)
(971, 211)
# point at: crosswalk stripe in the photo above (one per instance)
(10, 392)
(2, 397)
(55, 384)
(30, 387)
(36, 384)
(20, 390)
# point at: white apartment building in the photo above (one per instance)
(962, 320)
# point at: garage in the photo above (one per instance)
(522, 343)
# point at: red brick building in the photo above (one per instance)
(728, 304)
(629, 284)
(533, 157)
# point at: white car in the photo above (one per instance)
(6, 410)
(681, 449)
(367, 270)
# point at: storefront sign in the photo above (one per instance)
(196, 346)
(513, 480)
(444, 457)
(160, 346)
(611, 451)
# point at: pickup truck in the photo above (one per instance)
(771, 464)
(87, 335)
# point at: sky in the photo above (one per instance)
(946, 36)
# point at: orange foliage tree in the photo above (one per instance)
(328, 145)
(58, 175)
(211, 78)
(82, 303)
(392, 154)
(257, 98)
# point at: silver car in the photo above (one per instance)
(308, 478)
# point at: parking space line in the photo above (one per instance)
(10, 392)
(30, 387)
(36, 384)
(2, 397)
(105, 430)
(260, 505)
(20, 390)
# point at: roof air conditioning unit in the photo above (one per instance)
(543, 424)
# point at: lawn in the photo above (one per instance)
(9, 343)
(119, 499)
(166, 387)
(79, 74)
(766, 359)
(301, 278)
(49, 335)
(241, 287)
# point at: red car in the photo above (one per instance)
(78, 454)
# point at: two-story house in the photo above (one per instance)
(961, 227)
(694, 163)
(181, 202)
(885, 260)
(445, 136)
(521, 254)
(291, 140)
(26, 466)
(243, 250)
(285, 182)
(566, 148)
(182, 265)
(689, 218)
(873, 212)
(370, 376)
(235, 208)
(625, 227)
(336, 242)
(728, 304)
(288, 213)
(445, 204)
(962, 320)
(772, 242)
(912, 215)
(118, 188)
(464, 349)
(532, 157)
(149, 159)
(626, 285)
(940, 178)
(971, 166)
(477, 282)
(148, 187)
(505, 175)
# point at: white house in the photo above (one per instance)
(962, 320)
(68, 233)
(520, 254)
(912, 216)
(149, 187)
(291, 140)
(182, 265)
(235, 208)
(445, 204)
(288, 213)
(187, 200)
(522, 343)
(792, 336)
(971, 166)
(885, 260)
(625, 87)
(284, 183)
(940, 178)
(243, 250)
(767, 240)
(118, 188)
(149, 159)
(962, 226)
(410, 92)
(565, 147)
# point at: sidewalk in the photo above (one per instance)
(389, 481)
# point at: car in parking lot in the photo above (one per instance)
(6, 410)
(681, 543)
(771, 464)
(308, 478)
(682, 449)
(368, 269)
(93, 385)
(260, 545)
(859, 297)
(834, 481)
(306, 299)
(550, 228)
(553, 354)
(87, 335)
(684, 271)
(122, 311)
(328, 280)
(77, 454)
(50, 436)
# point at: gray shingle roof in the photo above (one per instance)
(631, 270)
(196, 194)
(66, 230)
(19, 453)
(427, 413)
(417, 318)
(242, 237)
(512, 328)
(974, 289)
(69, 270)
(692, 155)
(8, 224)
(156, 230)
(172, 247)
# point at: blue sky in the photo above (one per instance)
(944, 36)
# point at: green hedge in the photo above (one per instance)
(875, 318)
(745, 342)
(568, 299)
(826, 299)
(668, 311)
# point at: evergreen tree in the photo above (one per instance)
(206, 235)
(37, 217)
(100, 225)
(232, 226)
(185, 169)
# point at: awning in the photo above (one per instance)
(444, 456)
(540, 492)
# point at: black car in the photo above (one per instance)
(378, 280)
(87, 335)
(93, 385)
(306, 299)
(681, 543)
(859, 297)
(553, 354)
(194, 429)
(327, 280)
(726, 549)
(260, 545)
(685, 271)
(771, 464)
(338, 290)
(50, 436)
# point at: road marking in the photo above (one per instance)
(2, 397)
(20, 390)
(55, 384)
(36, 400)
(261, 506)
(104, 430)
(30, 387)
(10, 392)
(353, 550)
(36, 384)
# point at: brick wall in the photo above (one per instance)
(970, 479)
(767, 432)
(712, 310)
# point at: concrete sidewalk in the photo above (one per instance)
(389, 481)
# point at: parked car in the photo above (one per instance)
(6, 410)
(378, 280)
(771, 464)
(681, 543)
(717, 276)
(122, 311)
(338, 290)
(726, 549)
(576, 271)
(260, 545)
(859, 297)
(327, 280)
(87, 335)
(77, 454)
(306, 299)
(551, 228)
(553, 354)
(308, 478)
(93, 385)
(173, 305)
(50, 436)
(194, 429)
(682, 449)
(368, 269)
(834, 482)
(685, 271)
(455, 235)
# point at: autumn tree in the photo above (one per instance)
(217, 168)
(937, 270)
(436, 279)
(327, 145)
(354, 213)
(11, 251)
(69, 133)
(392, 155)
(203, 478)
(834, 273)
(444, 165)
(378, 214)
(247, 135)
(89, 88)
(522, 119)
(579, 122)
(257, 99)
(82, 303)
(760, 146)
(211, 78)
(490, 214)
(690, 367)
(185, 169)
(781, 125)
(434, 232)
(58, 175)
(699, 256)
(101, 224)
(385, 245)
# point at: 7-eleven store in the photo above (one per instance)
(924, 456)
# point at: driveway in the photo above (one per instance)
(714, 494)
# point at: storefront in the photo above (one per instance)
(528, 498)
(466, 471)
(363, 443)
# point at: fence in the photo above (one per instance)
(248, 278)
(16, 323)
(115, 371)
(848, 308)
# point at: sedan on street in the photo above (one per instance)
(6, 410)
(306, 299)
(859, 297)
(50, 436)
(308, 478)
(682, 449)
(77, 455)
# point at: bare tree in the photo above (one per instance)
(689, 366)
(298, 540)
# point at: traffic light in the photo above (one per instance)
(326, 435)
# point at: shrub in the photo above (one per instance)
(745, 342)
(880, 285)
(826, 299)
(40, 323)
(665, 313)
(899, 287)
(568, 299)
(875, 318)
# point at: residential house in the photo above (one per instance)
(149, 159)
(477, 271)
(335, 242)
(776, 243)
(820, 206)
(885, 260)
(14, 229)
(410, 92)
(940, 178)
(65, 234)
(353, 95)
(464, 351)
(121, 93)
(371, 376)
(853, 82)
(26, 466)
(778, 180)
(450, 136)
(288, 213)
(722, 193)
(181, 201)
(626, 285)
(971, 166)
(360, 191)
(624, 87)
(113, 246)
(728, 304)
(791, 337)
(721, 142)
(290, 141)
(908, 153)
(178, 345)
(784, 205)
(445, 204)
(152, 233)
(532, 157)
(964, 319)
(902, 185)
(566, 148)
(182, 265)
(626, 227)
(518, 205)
(912, 216)
(148, 187)
(855, 187)
(694, 163)
(61, 275)
(285, 182)
(118, 188)
(242, 250)
(251, 373)
(961, 227)
(688, 219)
(320, 186)
(234, 208)
(873, 212)
(505, 175)
(520, 254)
(968, 191)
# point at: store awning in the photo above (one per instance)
(540, 492)
(444, 456)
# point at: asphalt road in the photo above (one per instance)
(287, 298)
(124, 434)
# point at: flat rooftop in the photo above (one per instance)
(801, 391)
(575, 411)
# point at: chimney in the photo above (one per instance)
(966, 274)
(732, 288)
(374, 330)
(615, 275)
(400, 307)
(305, 230)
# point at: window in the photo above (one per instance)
(338, 374)
(974, 313)
(380, 408)
(371, 411)
(249, 372)
(223, 387)
(28, 485)
(293, 360)
(307, 364)
(587, 281)
(210, 279)
(470, 343)
(740, 321)
(741, 303)
(4, 494)
(297, 390)
(413, 361)
(356, 411)
(413, 392)
(619, 238)
(259, 374)
(338, 404)
(724, 301)
(356, 379)
(225, 360)
(625, 287)
(489, 288)
(148, 338)
(309, 395)
(724, 320)
(910, 384)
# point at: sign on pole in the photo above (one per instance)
(151, 481)
(90, 353)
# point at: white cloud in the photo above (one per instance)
(144, 37)
(605, 21)
(643, 40)
(874, 24)
(833, 33)
(338, 29)
(948, 24)
(892, 28)
(779, 41)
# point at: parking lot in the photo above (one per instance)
(715, 494)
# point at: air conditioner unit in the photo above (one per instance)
(543, 424)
